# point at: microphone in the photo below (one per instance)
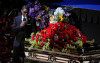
(24, 19)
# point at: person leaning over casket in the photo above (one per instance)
(23, 26)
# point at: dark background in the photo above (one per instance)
(88, 21)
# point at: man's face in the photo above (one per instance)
(24, 12)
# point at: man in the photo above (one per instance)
(23, 26)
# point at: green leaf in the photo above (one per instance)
(44, 30)
(40, 37)
(54, 50)
(32, 34)
(65, 26)
(30, 42)
(90, 42)
(64, 50)
(26, 39)
(48, 39)
(36, 45)
(66, 36)
(32, 45)
(44, 47)
(79, 42)
(38, 33)
(38, 42)
(70, 46)
(47, 45)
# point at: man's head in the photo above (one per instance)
(24, 10)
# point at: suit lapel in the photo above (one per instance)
(20, 19)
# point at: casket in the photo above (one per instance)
(46, 56)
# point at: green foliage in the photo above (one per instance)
(55, 50)
(79, 43)
(64, 50)
(44, 47)
(32, 45)
(70, 46)
(91, 42)
(65, 26)
(47, 45)
(38, 33)
(32, 34)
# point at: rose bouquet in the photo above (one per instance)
(6, 39)
(58, 36)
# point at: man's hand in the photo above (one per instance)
(23, 24)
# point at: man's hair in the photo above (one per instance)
(24, 7)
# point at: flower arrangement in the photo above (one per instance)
(39, 13)
(58, 36)
(5, 48)
(6, 39)
(59, 16)
(6, 33)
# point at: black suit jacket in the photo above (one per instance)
(21, 33)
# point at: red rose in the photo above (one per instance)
(2, 28)
(8, 51)
(45, 40)
(52, 36)
(42, 35)
(0, 58)
(10, 26)
(8, 60)
(38, 28)
(59, 48)
(1, 43)
(56, 25)
(36, 40)
(10, 47)
(65, 47)
(37, 36)
(75, 39)
(42, 44)
(6, 43)
(51, 45)
(2, 53)
(48, 35)
(42, 39)
(3, 49)
(3, 20)
(7, 39)
(9, 19)
(33, 37)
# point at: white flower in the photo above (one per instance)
(53, 22)
(37, 23)
(59, 11)
(55, 13)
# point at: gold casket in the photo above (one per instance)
(46, 56)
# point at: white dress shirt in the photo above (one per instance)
(23, 18)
